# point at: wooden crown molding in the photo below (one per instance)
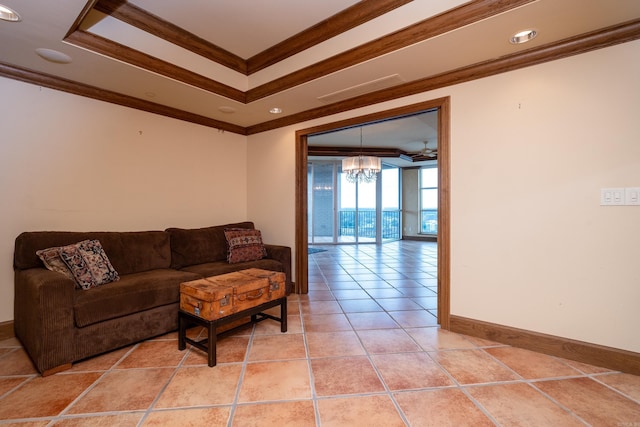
(564, 48)
(165, 30)
(450, 20)
(361, 12)
(75, 88)
(347, 19)
(617, 34)
(124, 53)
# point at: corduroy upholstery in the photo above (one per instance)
(58, 324)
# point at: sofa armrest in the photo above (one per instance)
(282, 254)
(43, 316)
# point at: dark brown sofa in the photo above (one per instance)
(59, 324)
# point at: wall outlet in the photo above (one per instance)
(632, 196)
(612, 196)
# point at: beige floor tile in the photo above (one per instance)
(399, 304)
(280, 414)
(481, 342)
(16, 362)
(441, 407)
(230, 349)
(387, 341)
(439, 339)
(101, 362)
(200, 386)
(332, 344)
(269, 381)
(346, 294)
(45, 397)
(189, 417)
(153, 354)
(320, 307)
(123, 390)
(359, 411)
(376, 320)
(10, 343)
(521, 405)
(119, 420)
(532, 365)
(625, 383)
(272, 327)
(586, 368)
(406, 371)
(10, 383)
(27, 424)
(360, 305)
(414, 319)
(592, 401)
(473, 366)
(351, 284)
(276, 347)
(319, 296)
(327, 323)
(344, 375)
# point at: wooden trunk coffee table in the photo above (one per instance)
(220, 300)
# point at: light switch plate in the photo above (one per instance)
(632, 196)
(612, 196)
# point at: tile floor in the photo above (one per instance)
(363, 349)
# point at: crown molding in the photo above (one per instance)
(617, 34)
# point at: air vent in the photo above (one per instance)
(361, 89)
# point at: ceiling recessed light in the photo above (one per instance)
(7, 14)
(275, 110)
(226, 109)
(53, 56)
(523, 36)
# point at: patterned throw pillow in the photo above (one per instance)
(244, 244)
(51, 259)
(89, 264)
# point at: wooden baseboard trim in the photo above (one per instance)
(593, 354)
(6, 330)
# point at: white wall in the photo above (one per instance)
(72, 163)
(530, 246)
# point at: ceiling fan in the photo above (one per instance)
(426, 151)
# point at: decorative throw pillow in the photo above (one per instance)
(51, 259)
(244, 244)
(89, 264)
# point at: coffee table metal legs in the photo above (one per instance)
(185, 319)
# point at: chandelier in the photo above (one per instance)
(361, 168)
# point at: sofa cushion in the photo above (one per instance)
(200, 245)
(131, 294)
(129, 251)
(244, 245)
(88, 263)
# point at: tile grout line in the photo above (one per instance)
(151, 406)
(312, 384)
(245, 362)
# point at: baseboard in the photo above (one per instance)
(424, 238)
(6, 330)
(593, 354)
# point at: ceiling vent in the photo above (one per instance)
(361, 89)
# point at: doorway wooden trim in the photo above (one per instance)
(444, 207)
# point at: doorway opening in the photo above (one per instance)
(443, 214)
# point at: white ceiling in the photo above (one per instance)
(462, 34)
